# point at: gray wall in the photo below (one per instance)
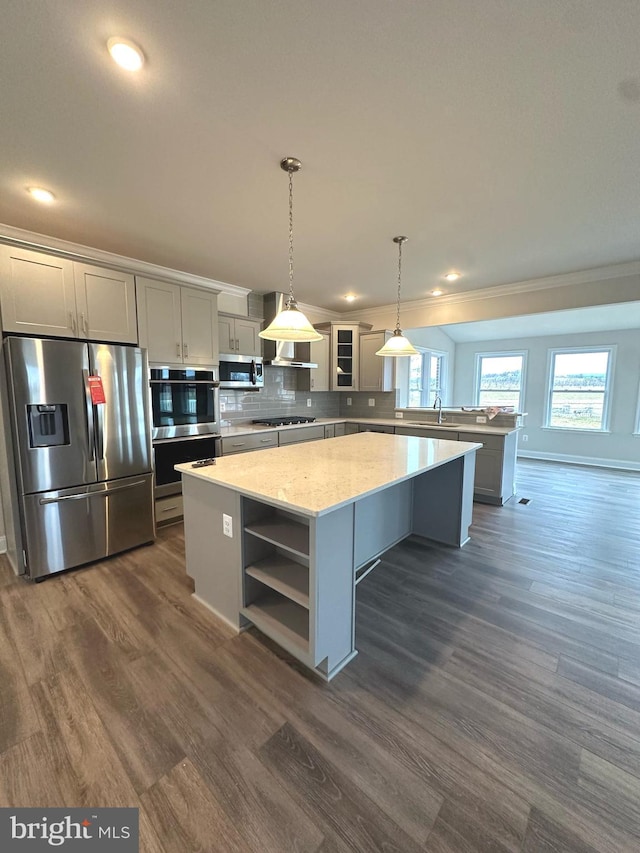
(278, 397)
(619, 445)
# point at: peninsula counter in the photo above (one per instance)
(280, 538)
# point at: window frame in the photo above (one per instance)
(426, 354)
(501, 354)
(606, 394)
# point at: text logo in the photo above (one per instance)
(71, 830)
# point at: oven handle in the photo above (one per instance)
(201, 382)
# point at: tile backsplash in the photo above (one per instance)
(278, 397)
(360, 408)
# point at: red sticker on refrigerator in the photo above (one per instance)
(96, 390)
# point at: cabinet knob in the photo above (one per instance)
(178, 350)
(186, 350)
(72, 321)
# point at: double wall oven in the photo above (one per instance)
(185, 412)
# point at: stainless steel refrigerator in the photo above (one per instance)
(82, 481)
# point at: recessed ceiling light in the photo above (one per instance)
(452, 276)
(437, 292)
(127, 54)
(40, 194)
(350, 297)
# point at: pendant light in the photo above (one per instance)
(290, 324)
(398, 345)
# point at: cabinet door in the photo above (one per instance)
(320, 352)
(159, 320)
(226, 335)
(106, 303)
(37, 294)
(345, 358)
(376, 372)
(247, 340)
(199, 326)
(488, 479)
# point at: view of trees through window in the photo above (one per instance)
(578, 389)
(499, 380)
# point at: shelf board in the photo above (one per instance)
(287, 534)
(283, 575)
(282, 620)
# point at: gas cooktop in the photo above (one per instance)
(285, 420)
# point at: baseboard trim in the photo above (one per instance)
(589, 461)
(3, 544)
(216, 612)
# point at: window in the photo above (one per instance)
(427, 376)
(579, 386)
(500, 379)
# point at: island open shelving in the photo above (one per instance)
(305, 523)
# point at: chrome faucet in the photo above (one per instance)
(437, 404)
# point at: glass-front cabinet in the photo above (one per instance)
(345, 354)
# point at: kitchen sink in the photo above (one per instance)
(445, 425)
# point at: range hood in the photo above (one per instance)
(280, 353)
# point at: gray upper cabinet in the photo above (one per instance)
(45, 295)
(177, 324)
(344, 370)
(376, 372)
(317, 352)
(239, 335)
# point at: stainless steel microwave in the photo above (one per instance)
(241, 371)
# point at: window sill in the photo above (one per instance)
(578, 430)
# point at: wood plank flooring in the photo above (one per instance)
(494, 705)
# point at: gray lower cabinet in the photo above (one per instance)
(330, 431)
(299, 434)
(242, 443)
(376, 428)
(351, 429)
(169, 509)
(339, 429)
(495, 466)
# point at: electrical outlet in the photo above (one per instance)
(481, 419)
(223, 406)
(372, 401)
(525, 437)
(348, 401)
(399, 414)
(227, 525)
(308, 402)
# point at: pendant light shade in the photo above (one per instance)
(398, 345)
(290, 324)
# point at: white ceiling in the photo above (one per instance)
(501, 137)
(599, 318)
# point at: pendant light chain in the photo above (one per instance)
(399, 281)
(291, 297)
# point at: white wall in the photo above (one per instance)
(618, 445)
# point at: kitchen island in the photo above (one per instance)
(280, 538)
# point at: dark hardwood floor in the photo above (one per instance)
(494, 705)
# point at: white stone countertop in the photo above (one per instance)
(487, 429)
(317, 477)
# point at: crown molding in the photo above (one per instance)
(320, 313)
(608, 273)
(77, 252)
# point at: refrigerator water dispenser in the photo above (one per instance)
(48, 425)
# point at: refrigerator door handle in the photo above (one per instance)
(89, 416)
(100, 430)
(86, 495)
